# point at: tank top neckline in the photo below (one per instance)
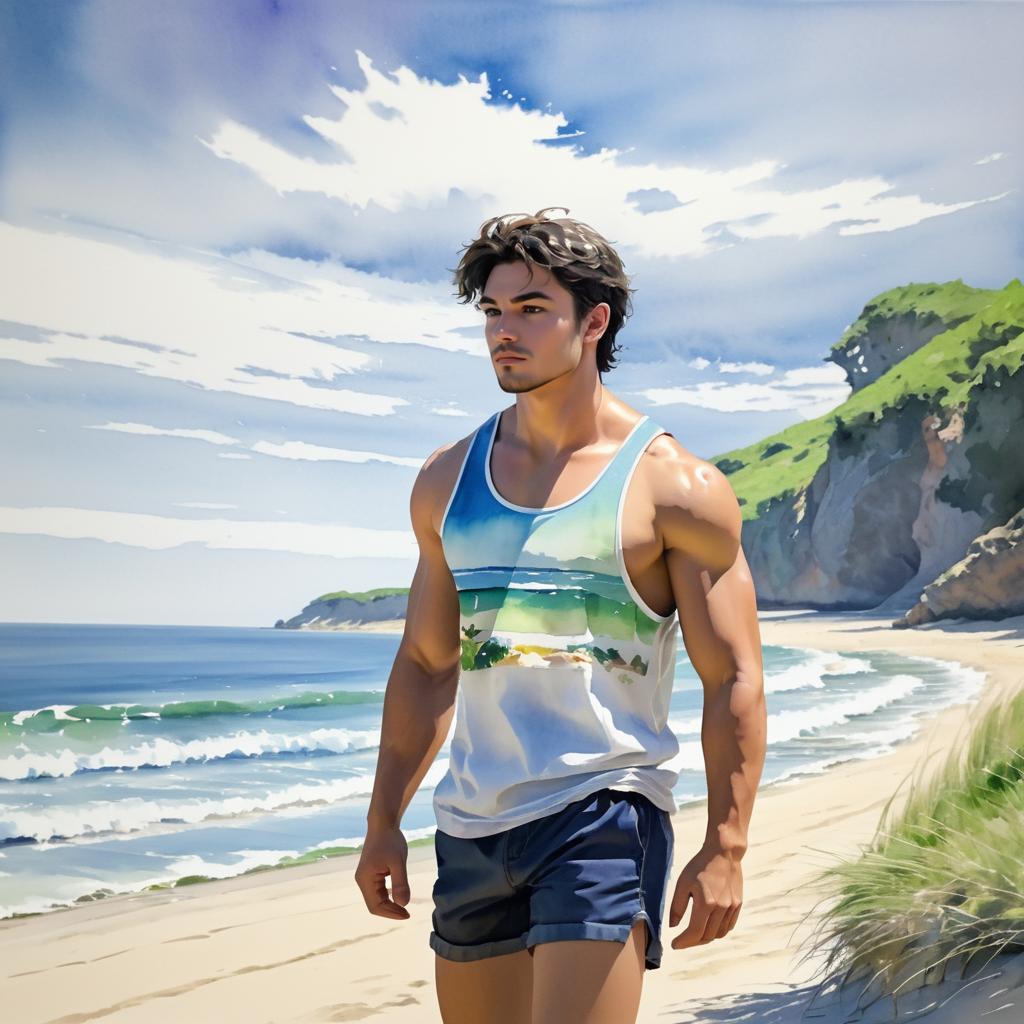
(550, 508)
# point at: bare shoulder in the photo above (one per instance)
(695, 508)
(676, 476)
(435, 482)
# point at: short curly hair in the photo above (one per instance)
(580, 259)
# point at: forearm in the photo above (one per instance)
(418, 710)
(734, 737)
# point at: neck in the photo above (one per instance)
(549, 421)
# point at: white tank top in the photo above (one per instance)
(566, 672)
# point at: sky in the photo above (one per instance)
(229, 335)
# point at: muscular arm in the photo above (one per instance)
(419, 700)
(717, 606)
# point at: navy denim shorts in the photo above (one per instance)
(588, 871)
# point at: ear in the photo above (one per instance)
(596, 322)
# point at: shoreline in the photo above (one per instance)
(287, 923)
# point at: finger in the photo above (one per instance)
(731, 918)
(384, 905)
(691, 935)
(399, 884)
(714, 924)
(678, 908)
(368, 890)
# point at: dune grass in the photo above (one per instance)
(941, 885)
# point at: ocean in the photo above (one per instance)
(138, 756)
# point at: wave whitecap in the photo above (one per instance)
(788, 725)
(131, 814)
(162, 753)
(55, 717)
(100, 819)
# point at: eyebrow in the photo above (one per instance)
(518, 298)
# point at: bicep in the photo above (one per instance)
(712, 584)
(431, 634)
(717, 617)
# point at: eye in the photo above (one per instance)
(490, 309)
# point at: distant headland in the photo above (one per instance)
(381, 610)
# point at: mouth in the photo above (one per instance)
(510, 359)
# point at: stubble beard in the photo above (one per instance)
(510, 385)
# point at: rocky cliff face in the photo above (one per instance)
(895, 507)
(867, 527)
(987, 583)
(883, 342)
(336, 613)
(896, 504)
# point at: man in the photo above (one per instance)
(563, 544)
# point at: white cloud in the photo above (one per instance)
(210, 436)
(450, 129)
(759, 369)
(281, 450)
(807, 391)
(216, 323)
(321, 453)
(449, 412)
(991, 158)
(158, 533)
(828, 373)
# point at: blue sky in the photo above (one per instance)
(228, 333)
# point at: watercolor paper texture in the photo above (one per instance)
(229, 343)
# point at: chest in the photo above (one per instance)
(519, 483)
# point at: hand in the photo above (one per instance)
(714, 881)
(385, 852)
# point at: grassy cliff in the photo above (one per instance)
(987, 336)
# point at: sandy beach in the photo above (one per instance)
(297, 944)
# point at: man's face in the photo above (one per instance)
(533, 319)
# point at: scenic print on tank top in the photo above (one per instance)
(566, 673)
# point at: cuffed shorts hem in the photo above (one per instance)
(552, 933)
(481, 951)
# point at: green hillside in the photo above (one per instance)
(361, 595)
(951, 303)
(945, 371)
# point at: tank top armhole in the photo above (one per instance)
(620, 556)
(458, 480)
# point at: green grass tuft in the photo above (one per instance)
(941, 885)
